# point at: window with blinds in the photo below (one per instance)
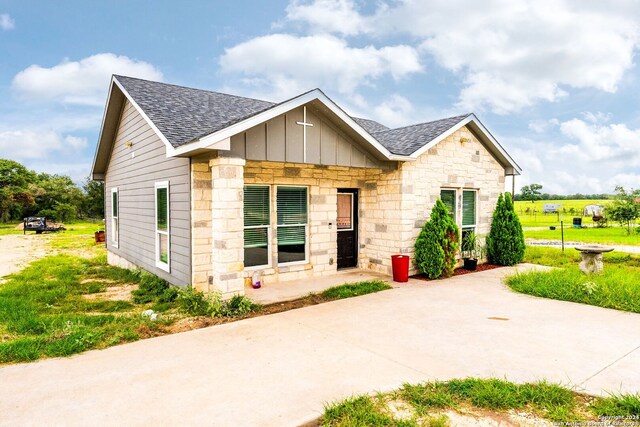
(292, 224)
(257, 221)
(115, 225)
(448, 197)
(162, 225)
(468, 212)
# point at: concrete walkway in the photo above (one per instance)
(289, 290)
(278, 370)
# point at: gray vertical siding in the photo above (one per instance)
(281, 140)
(135, 178)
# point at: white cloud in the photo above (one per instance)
(282, 65)
(333, 16)
(33, 145)
(541, 126)
(582, 155)
(396, 111)
(613, 145)
(6, 22)
(82, 82)
(509, 54)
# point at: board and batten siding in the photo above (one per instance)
(134, 171)
(281, 140)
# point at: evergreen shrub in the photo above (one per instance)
(505, 242)
(437, 243)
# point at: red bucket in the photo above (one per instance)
(400, 267)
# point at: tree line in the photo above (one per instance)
(624, 208)
(532, 192)
(24, 192)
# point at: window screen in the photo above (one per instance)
(448, 197)
(256, 225)
(292, 223)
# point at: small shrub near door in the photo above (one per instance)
(505, 242)
(437, 243)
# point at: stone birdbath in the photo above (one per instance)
(591, 258)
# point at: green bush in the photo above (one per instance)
(505, 242)
(193, 302)
(437, 243)
(238, 305)
(197, 303)
(151, 288)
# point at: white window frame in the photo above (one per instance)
(115, 220)
(306, 227)
(161, 265)
(475, 216)
(269, 233)
(352, 213)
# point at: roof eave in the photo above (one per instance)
(511, 167)
(113, 105)
(209, 141)
(108, 129)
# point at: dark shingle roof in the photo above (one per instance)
(183, 114)
(370, 126)
(409, 139)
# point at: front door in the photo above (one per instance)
(347, 226)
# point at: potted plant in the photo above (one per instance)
(471, 250)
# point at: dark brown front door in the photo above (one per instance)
(347, 226)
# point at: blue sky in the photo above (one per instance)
(555, 81)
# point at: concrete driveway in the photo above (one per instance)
(278, 370)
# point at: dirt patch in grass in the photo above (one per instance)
(190, 323)
(112, 293)
(474, 402)
(461, 271)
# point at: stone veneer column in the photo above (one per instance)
(201, 237)
(227, 215)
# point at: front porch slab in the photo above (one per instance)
(293, 289)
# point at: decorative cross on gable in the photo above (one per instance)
(304, 125)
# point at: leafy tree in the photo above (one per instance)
(15, 197)
(24, 193)
(93, 202)
(531, 192)
(505, 242)
(625, 208)
(437, 243)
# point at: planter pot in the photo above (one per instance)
(99, 236)
(470, 263)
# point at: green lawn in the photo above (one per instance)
(46, 310)
(75, 227)
(536, 218)
(43, 312)
(611, 235)
(349, 290)
(426, 404)
(9, 228)
(618, 287)
(554, 257)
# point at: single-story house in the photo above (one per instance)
(211, 189)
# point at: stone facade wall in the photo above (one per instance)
(201, 220)
(452, 164)
(323, 183)
(393, 205)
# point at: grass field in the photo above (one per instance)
(616, 287)
(76, 227)
(534, 217)
(473, 401)
(610, 235)
(570, 208)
